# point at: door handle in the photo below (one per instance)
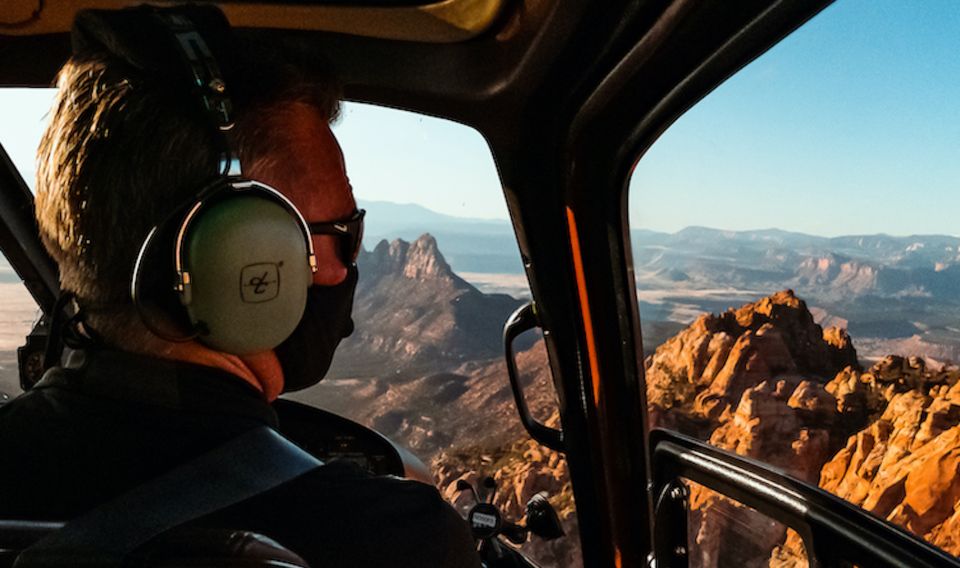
(525, 319)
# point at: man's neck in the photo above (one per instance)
(261, 370)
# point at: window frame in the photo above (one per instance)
(617, 126)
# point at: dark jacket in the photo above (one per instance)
(89, 433)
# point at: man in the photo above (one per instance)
(122, 148)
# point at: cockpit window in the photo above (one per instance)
(797, 257)
(22, 116)
(440, 273)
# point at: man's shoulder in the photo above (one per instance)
(338, 515)
(344, 483)
(27, 412)
(51, 397)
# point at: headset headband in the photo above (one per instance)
(143, 37)
(208, 84)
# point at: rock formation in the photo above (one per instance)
(905, 465)
(764, 381)
(413, 314)
(701, 373)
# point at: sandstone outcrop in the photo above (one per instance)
(701, 373)
(905, 466)
(764, 381)
(791, 423)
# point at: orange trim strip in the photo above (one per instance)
(584, 306)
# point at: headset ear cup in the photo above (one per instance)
(153, 287)
(246, 260)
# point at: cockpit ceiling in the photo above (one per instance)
(447, 21)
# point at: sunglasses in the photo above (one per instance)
(349, 231)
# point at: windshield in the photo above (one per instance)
(22, 117)
(797, 255)
(440, 272)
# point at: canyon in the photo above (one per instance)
(764, 380)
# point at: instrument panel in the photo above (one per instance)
(328, 437)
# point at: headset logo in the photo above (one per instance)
(260, 282)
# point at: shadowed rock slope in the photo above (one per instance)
(413, 313)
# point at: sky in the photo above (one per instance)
(851, 125)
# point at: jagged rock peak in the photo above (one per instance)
(418, 260)
(705, 368)
(815, 350)
(424, 259)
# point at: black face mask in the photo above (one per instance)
(305, 356)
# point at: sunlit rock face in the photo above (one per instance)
(700, 374)
(904, 465)
(764, 381)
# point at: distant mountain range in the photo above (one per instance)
(920, 266)
(901, 289)
(697, 257)
(880, 286)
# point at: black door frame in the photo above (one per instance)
(596, 348)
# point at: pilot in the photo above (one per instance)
(122, 148)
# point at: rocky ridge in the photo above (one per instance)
(766, 382)
(699, 376)
(414, 314)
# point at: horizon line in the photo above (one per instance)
(688, 227)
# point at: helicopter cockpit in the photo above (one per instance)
(549, 330)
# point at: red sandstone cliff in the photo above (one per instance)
(904, 466)
(765, 381)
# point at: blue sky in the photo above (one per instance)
(850, 125)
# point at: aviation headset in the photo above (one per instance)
(241, 252)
